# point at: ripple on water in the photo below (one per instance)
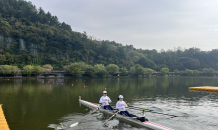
(200, 114)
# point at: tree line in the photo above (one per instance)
(28, 70)
(81, 68)
(48, 41)
(187, 72)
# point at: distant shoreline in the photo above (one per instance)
(96, 77)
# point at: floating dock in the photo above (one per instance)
(204, 89)
(3, 122)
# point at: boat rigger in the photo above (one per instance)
(129, 120)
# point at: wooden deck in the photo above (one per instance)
(3, 122)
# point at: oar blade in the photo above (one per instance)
(59, 128)
(74, 124)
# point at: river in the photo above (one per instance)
(30, 104)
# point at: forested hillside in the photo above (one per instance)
(31, 36)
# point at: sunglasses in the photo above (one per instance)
(105, 93)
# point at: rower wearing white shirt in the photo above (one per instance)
(105, 100)
(121, 105)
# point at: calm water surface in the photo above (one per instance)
(29, 104)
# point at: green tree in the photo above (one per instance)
(208, 71)
(164, 71)
(47, 68)
(74, 69)
(8, 58)
(139, 70)
(196, 72)
(189, 72)
(176, 71)
(83, 65)
(182, 72)
(38, 70)
(5, 69)
(2, 59)
(112, 69)
(128, 64)
(124, 71)
(15, 70)
(100, 70)
(25, 57)
(132, 70)
(15, 48)
(145, 62)
(189, 63)
(90, 70)
(5, 27)
(149, 71)
(28, 69)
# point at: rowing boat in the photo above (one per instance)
(129, 120)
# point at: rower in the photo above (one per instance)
(105, 100)
(121, 105)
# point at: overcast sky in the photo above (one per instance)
(146, 24)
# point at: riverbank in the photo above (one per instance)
(96, 77)
(31, 77)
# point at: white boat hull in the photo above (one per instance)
(135, 122)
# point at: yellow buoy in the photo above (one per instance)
(204, 89)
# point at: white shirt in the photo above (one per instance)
(121, 105)
(104, 99)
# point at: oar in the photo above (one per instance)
(74, 124)
(108, 119)
(152, 111)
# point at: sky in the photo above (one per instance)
(145, 24)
